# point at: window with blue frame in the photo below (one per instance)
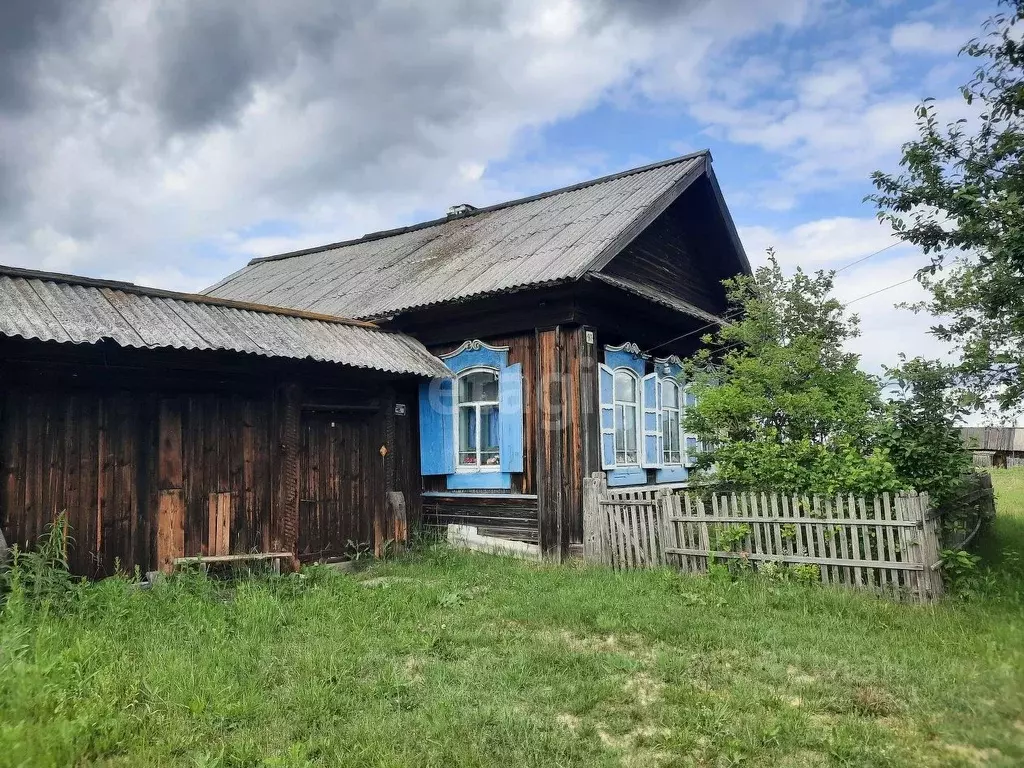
(627, 416)
(679, 448)
(471, 426)
(671, 422)
(477, 423)
(630, 434)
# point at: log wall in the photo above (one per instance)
(153, 464)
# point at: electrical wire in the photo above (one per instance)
(735, 312)
(865, 258)
(880, 290)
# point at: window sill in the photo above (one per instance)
(477, 470)
(672, 473)
(627, 475)
(483, 481)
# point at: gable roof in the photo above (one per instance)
(545, 239)
(77, 310)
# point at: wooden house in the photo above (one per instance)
(167, 425)
(562, 318)
(995, 446)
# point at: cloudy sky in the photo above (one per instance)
(168, 143)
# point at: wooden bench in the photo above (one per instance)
(203, 561)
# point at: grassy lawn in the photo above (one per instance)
(469, 660)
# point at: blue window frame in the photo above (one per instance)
(628, 415)
(679, 447)
(477, 430)
(471, 426)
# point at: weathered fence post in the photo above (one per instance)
(665, 511)
(591, 521)
(931, 548)
(922, 545)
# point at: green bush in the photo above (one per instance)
(782, 406)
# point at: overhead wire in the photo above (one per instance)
(880, 290)
(733, 313)
(865, 258)
(851, 301)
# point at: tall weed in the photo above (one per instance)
(40, 577)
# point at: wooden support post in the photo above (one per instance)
(383, 527)
(170, 513)
(549, 420)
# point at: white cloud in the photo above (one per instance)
(886, 330)
(830, 111)
(925, 38)
(827, 243)
(140, 153)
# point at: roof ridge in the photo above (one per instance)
(385, 233)
(193, 298)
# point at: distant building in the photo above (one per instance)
(995, 446)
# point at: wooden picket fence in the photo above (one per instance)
(888, 543)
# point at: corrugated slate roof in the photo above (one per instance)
(69, 309)
(545, 239)
(656, 296)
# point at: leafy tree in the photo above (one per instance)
(959, 198)
(920, 435)
(780, 404)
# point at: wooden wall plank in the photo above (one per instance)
(135, 464)
(220, 523)
(549, 384)
(170, 541)
(509, 518)
(12, 445)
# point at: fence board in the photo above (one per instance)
(888, 541)
(819, 535)
(855, 538)
(882, 543)
(844, 510)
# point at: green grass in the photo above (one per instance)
(472, 660)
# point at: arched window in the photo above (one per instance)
(627, 416)
(671, 424)
(477, 427)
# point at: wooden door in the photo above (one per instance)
(341, 482)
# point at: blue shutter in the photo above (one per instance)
(437, 448)
(661, 437)
(650, 453)
(607, 391)
(510, 398)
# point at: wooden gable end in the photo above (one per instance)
(686, 251)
